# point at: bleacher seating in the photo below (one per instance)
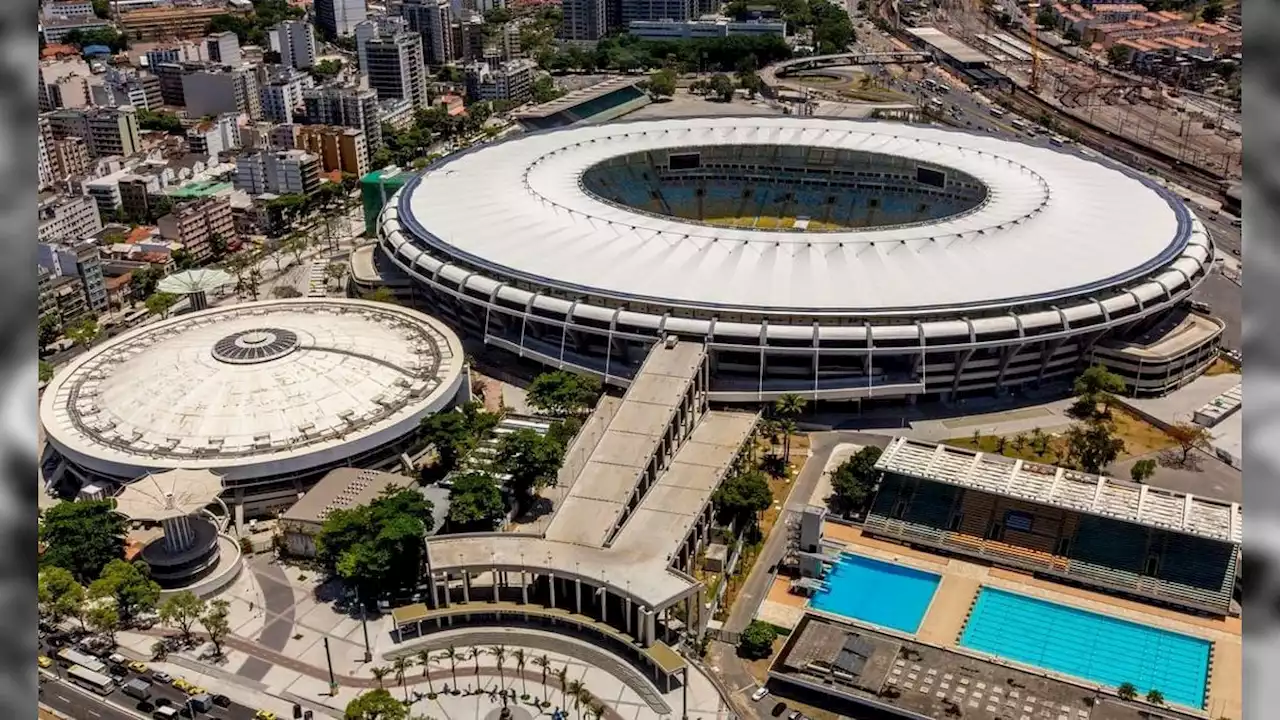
(1104, 552)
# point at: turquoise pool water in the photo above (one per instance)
(877, 592)
(1098, 648)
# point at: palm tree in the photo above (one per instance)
(451, 654)
(789, 407)
(401, 666)
(583, 697)
(575, 690)
(788, 427)
(1037, 440)
(424, 660)
(595, 710)
(519, 655)
(543, 662)
(379, 673)
(563, 676)
(499, 654)
(475, 655)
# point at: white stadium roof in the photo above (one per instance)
(1055, 224)
(253, 389)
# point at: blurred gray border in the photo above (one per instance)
(1261, 340)
(18, 46)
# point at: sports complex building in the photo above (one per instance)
(268, 395)
(839, 259)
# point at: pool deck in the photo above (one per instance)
(962, 579)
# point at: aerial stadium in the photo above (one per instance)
(839, 259)
(268, 395)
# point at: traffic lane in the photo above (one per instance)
(78, 705)
(1224, 299)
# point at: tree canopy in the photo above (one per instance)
(252, 28)
(563, 393)
(741, 497)
(59, 595)
(852, 481)
(532, 460)
(756, 642)
(82, 537)
(455, 433)
(182, 611)
(1096, 386)
(376, 705)
(378, 546)
(625, 52)
(159, 120)
(130, 585)
(475, 502)
(663, 83)
(1093, 445)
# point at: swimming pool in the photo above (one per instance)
(1087, 645)
(876, 592)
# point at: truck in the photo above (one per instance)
(137, 688)
(202, 702)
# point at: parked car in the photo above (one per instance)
(161, 677)
(222, 701)
(759, 694)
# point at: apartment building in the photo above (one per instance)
(44, 168)
(67, 9)
(56, 29)
(339, 148)
(221, 89)
(281, 92)
(391, 58)
(512, 80)
(67, 297)
(675, 10)
(209, 138)
(194, 224)
(399, 114)
(66, 217)
(584, 20)
(188, 20)
(184, 52)
(79, 259)
(125, 87)
(68, 158)
(223, 48)
(348, 106)
(106, 131)
(280, 172)
(295, 40)
(433, 21)
(338, 18)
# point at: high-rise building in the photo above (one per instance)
(221, 89)
(66, 217)
(68, 157)
(676, 10)
(281, 92)
(584, 20)
(348, 106)
(281, 172)
(44, 168)
(295, 40)
(223, 48)
(124, 87)
(391, 58)
(512, 80)
(339, 148)
(106, 131)
(432, 19)
(170, 75)
(78, 258)
(210, 137)
(338, 18)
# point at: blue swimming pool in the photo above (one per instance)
(876, 592)
(1098, 648)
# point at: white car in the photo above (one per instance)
(759, 694)
(162, 677)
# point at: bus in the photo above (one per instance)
(71, 657)
(91, 680)
(997, 112)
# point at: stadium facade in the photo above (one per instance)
(838, 259)
(268, 395)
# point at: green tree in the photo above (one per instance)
(160, 303)
(563, 393)
(788, 408)
(853, 480)
(59, 595)
(379, 674)
(129, 585)
(1096, 386)
(564, 430)
(400, 667)
(1142, 470)
(50, 330)
(103, 618)
(46, 371)
(182, 611)
(1046, 18)
(216, 622)
(84, 332)
(756, 642)
(380, 294)
(722, 87)
(451, 654)
(832, 29)
(378, 546)
(1155, 697)
(376, 705)
(296, 244)
(144, 281)
(82, 537)
(102, 9)
(1212, 12)
(159, 120)
(1127, 691)
(475, 502)
(740, 499)
(450, 432)
(1092, 445)
(326, 69)
(1119, 55)
(663, 83)
(532, 460)
(521, 658)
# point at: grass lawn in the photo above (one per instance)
(1221, 367)
(1140, 438)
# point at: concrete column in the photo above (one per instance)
(524, 588)
(466, 586)
(435, 593)
(447, 589)
(604, 604)
(497, 585)
(627, 604)
(551, 583)
(577, 594)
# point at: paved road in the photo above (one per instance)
(79, 705)
(756, 588)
